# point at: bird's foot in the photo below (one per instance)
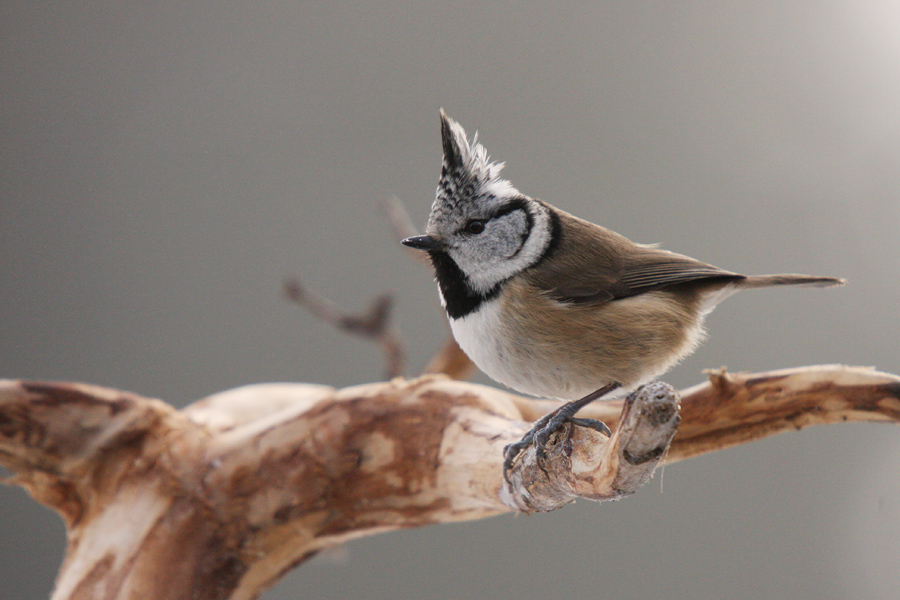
(543, 430)
(550, 423)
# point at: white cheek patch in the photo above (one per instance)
(488, 264)
(487, 277)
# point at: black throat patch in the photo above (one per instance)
(459, 299)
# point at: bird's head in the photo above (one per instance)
(489, 229)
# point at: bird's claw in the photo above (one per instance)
(540, 435)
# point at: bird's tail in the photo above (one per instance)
(758, 281)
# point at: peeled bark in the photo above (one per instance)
(222, 498)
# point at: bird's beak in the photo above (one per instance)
(422, 242)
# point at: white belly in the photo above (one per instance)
(483, 338)
(479, 335)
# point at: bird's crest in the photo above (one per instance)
(468, 174)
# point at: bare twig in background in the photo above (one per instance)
(402, 226)
(451, 361)
(374, 324)
(221, 499)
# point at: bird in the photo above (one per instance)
(555, 306)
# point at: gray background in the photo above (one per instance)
(164, 166)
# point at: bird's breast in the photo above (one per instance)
(536, 345)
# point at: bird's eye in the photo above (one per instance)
(475, 226)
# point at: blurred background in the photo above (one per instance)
(164, 166)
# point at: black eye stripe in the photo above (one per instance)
(502, 211)
(511, 206)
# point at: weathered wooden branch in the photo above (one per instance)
(220, 499)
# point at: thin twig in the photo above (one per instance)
(402, 225)
(451, 361)
(374, 324)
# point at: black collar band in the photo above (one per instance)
(459, 299)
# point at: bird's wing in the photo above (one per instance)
(593, 265)
(646, 271)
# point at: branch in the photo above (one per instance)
(736, 408)
(374, 324)
(402, 226)
(583, 463)
(222, 498)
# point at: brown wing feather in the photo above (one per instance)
(593, 265)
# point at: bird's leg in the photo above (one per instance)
(547, 425)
